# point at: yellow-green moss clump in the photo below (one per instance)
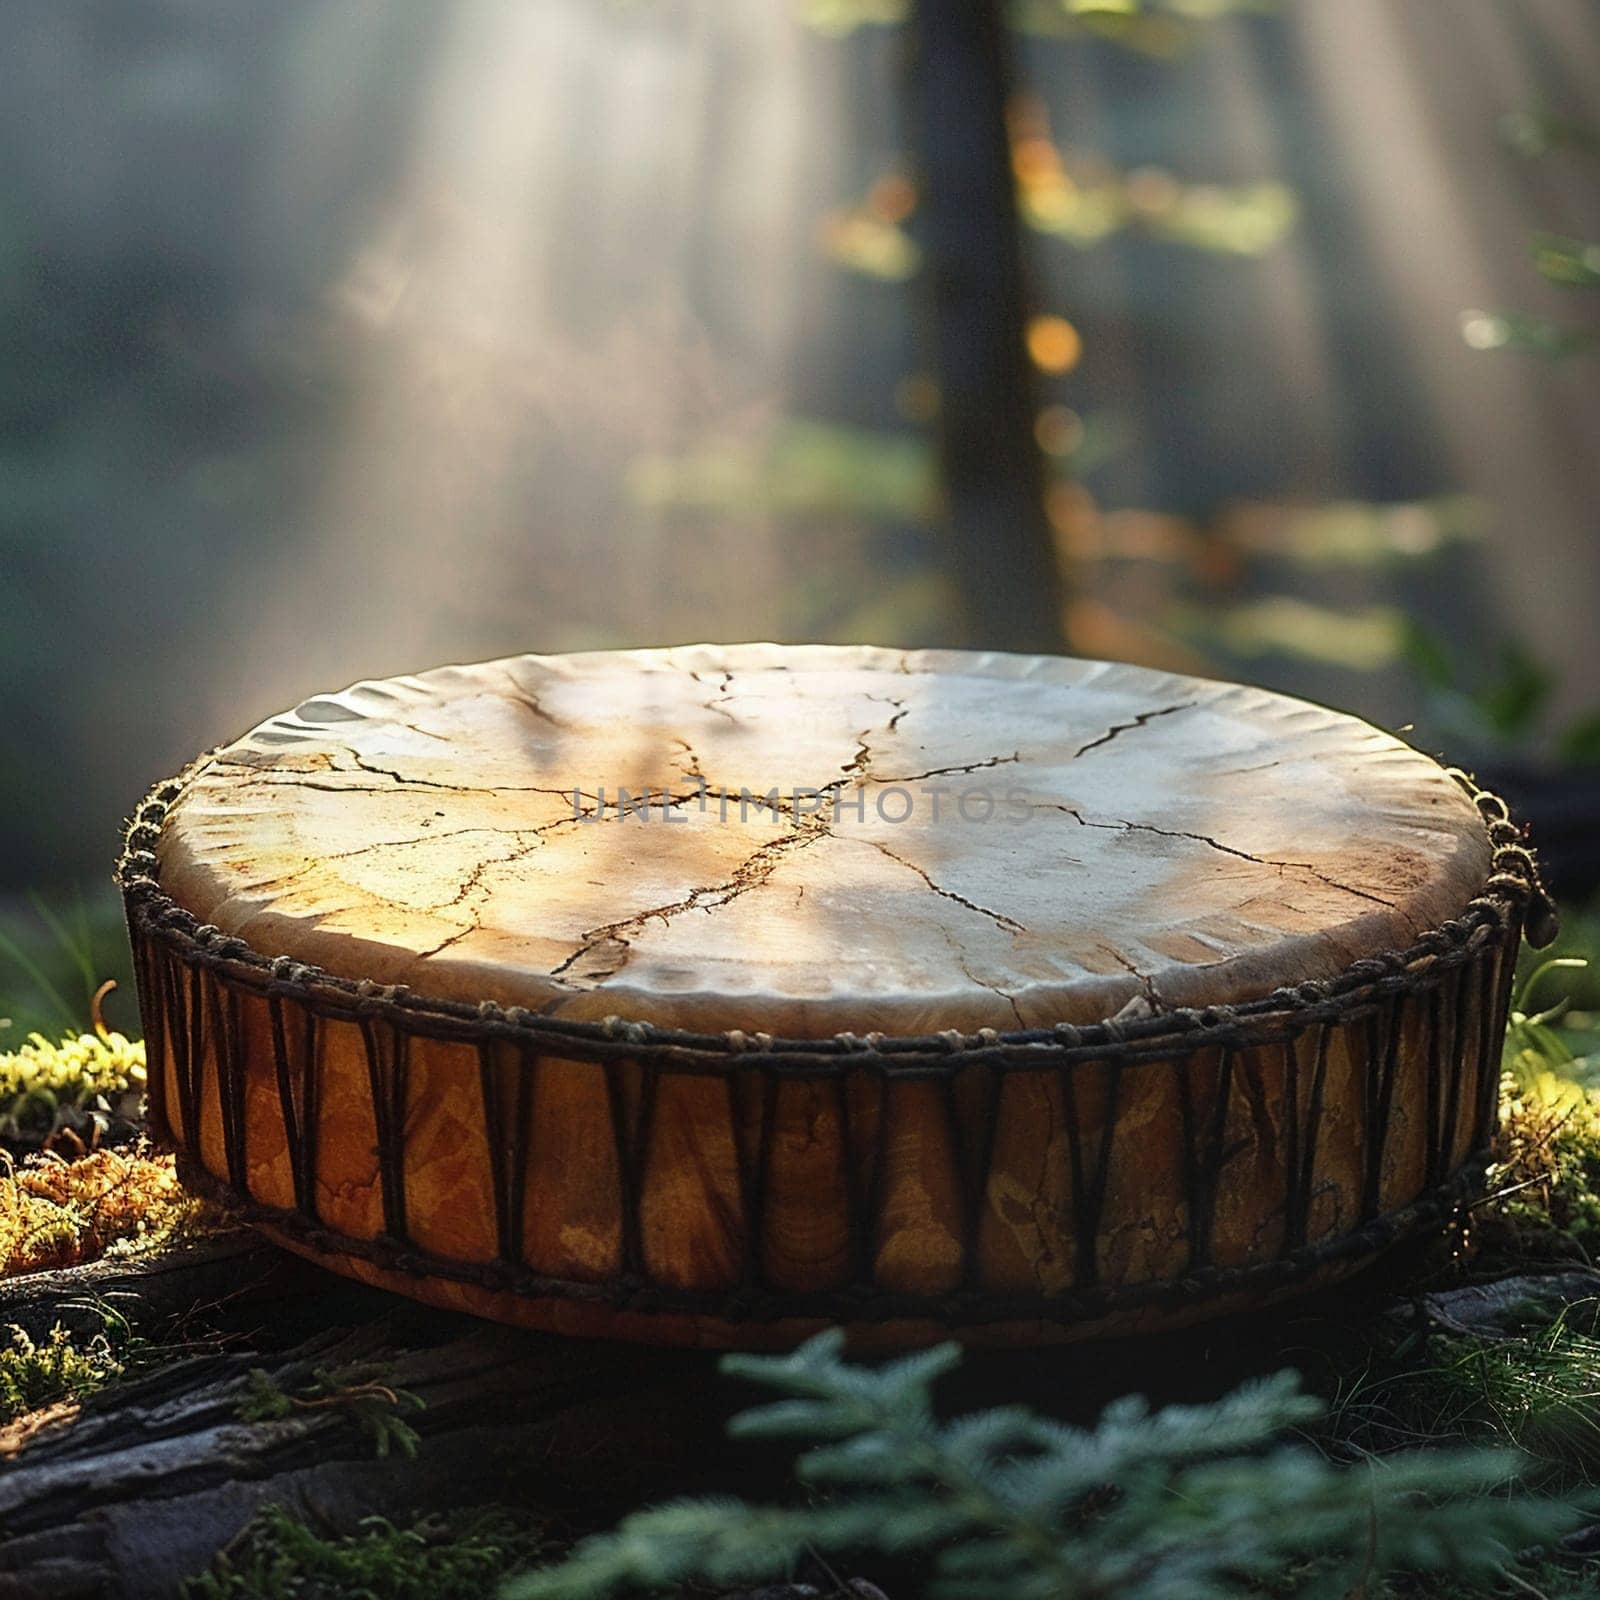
(39, 1373)
(56, 1213)
(1547, 1166)
(82, 1086)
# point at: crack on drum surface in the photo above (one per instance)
(900, 709)
(946, 772)
(276, 777)
(1121, 825)
(859, 766)
(534, 703)
(993, 988)
(412, 843)
(1008, 923)
(1139, 720)
(717, 702)
(750, 874)
(1146, 982)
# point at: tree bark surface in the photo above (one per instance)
(139, 1486)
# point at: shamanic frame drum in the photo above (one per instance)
(1016, 996)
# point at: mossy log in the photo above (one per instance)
(189, 1275)
(140, 1485)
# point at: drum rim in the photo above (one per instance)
(1512, 895)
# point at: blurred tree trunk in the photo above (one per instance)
(992, 472)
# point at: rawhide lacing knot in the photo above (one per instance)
(629, 1032)
(288, 973)
(1512, 856)
(498, 1276)
(1069, 1034)
(1512, 885)
(1367, 970)
(988, 1037)
(952, 1039)
(144, 862)
(1491, 807)
(399, 1255)
(373, 998)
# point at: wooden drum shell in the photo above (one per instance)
(617, 1180)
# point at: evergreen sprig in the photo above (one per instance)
(1183, 1503)
(278, 1557)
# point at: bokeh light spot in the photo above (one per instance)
(1054, 344)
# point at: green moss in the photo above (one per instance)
(280, 1558)
(1544, 1185)
(363, 1390)
(1532, 1383)
(34, 1375)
